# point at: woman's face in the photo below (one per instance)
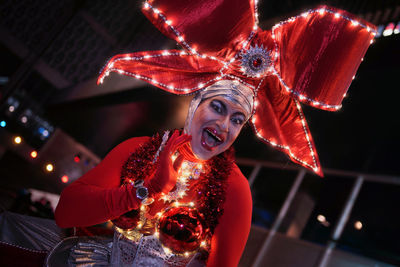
(215, 125)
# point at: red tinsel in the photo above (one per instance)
(210, 187)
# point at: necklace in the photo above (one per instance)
(207, 180)
(188, 171)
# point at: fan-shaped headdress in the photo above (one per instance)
(310, 58)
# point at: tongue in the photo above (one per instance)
(209, 139)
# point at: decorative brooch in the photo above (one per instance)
(256, 61)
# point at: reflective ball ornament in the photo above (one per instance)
(181, 229)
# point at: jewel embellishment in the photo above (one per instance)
(188, 171)
(256, 61)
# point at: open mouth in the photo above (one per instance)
(210, 139)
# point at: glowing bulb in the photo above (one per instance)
(3, 124)
(156, 11)
(24, 119)
(354, 23)
(168, 22)
(358, 225)
(321, 11)
(186, 254)
(34, 154)
(146, 5)
(180, 38)
(321, 218)
(337, 15)
(11, 108)
(203, 243)
(17, 140)
(49, 167)
(253, 120)
(64, 179)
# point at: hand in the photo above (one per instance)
(165, 175)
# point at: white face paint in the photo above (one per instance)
(215, 125)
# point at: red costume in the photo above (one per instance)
(97, 197)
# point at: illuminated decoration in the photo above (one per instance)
(49, 167)
(188, 171)
(44, 132)
(77, 158)
(256, 61)
(24, 119)
(397, 29)
(11, 108)
(3, 124)
(65, 179)
(181, 229)
(206, 185)
(358, 225)
(34, 154)
(17, 140)
(283, 80)
(323, 221)
(388, 30)
(321, 218)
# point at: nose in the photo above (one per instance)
(223, 123)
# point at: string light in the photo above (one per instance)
(34, 154)
(3, 124)
(358, 225)
(17, 140)
(301, 97)
(272, 143)
(24, 119)
(64, 179)
(49, 167)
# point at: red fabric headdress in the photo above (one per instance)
(310, 58)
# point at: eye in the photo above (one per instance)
(217, 106)
(238, 121)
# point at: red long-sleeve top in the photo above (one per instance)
(97, 197)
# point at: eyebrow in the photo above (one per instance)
(224, 107)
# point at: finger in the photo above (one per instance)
(178, 162)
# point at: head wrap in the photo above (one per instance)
(231, 90)
(310, 58)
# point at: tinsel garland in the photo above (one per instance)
(210, 187)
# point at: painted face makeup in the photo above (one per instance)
(215, 125)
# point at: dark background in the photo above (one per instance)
(52, 51)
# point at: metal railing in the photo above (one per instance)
(359, 178)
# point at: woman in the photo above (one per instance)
(213, 123)
(179, 199)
